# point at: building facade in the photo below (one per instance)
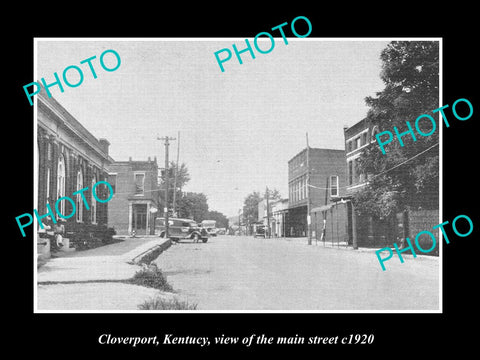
(70, 158)
(135, 203)
(374, 232)
(369, 232)
(279, 218)
(316, 177)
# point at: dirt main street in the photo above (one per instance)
(242, 273)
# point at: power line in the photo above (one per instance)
(385, 171)
(413, 157)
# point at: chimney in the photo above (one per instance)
(104, 145)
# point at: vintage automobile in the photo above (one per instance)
(181, 229)
(261, 231)
(209, 225)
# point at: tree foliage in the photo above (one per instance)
(250, 207)
(406, 176)
(250, 204)
(183, 177)
(221, 219)
(193, 206)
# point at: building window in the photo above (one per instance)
(356, 177)
(364, 138)
(295, 190)
(305, 188)
(375, 131)
(93, 202)
(333, 185)
(301, 187)
(350, 172)
(357, 142)
(61, 183)
(49, 151)
(78, 204)
(139, 184)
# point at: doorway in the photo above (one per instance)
(139, 219)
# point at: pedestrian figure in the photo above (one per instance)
(58, 232)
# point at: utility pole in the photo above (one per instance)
(176, 176)
(165, 209)
(309, 220)
(267, 195)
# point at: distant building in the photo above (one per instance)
(279, 216)
(327, 176)
(134, 205)
(278, 210)
(70, 158)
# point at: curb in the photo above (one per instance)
(150, 254)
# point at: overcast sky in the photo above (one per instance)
(238, 128)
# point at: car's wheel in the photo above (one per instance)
(204, 240)
(195, 237)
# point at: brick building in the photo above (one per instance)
(327, 176)
(369, 231)
(70, 158)
(136, 200)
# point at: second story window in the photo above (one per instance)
(357, 142)
(333, 185)
(350, 172)
(364, 138)
(139, 184)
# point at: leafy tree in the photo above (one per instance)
(250, 207)
(193, 206)
(274, 195)
(221, 219)
(410, 71)
(183, 177)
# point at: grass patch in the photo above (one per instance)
(158, 303)
(151, 276)
(151, 256)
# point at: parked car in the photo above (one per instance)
(261, 231)
(209, 225)
(181, 229)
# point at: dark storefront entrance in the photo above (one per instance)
(296, 222)
(139, 218)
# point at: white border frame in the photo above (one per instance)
(35, 192)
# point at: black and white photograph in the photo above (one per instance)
(229, 181)
(210, 175)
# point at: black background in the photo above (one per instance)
(60, 335)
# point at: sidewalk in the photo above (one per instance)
(344, 246)
(94, 279)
